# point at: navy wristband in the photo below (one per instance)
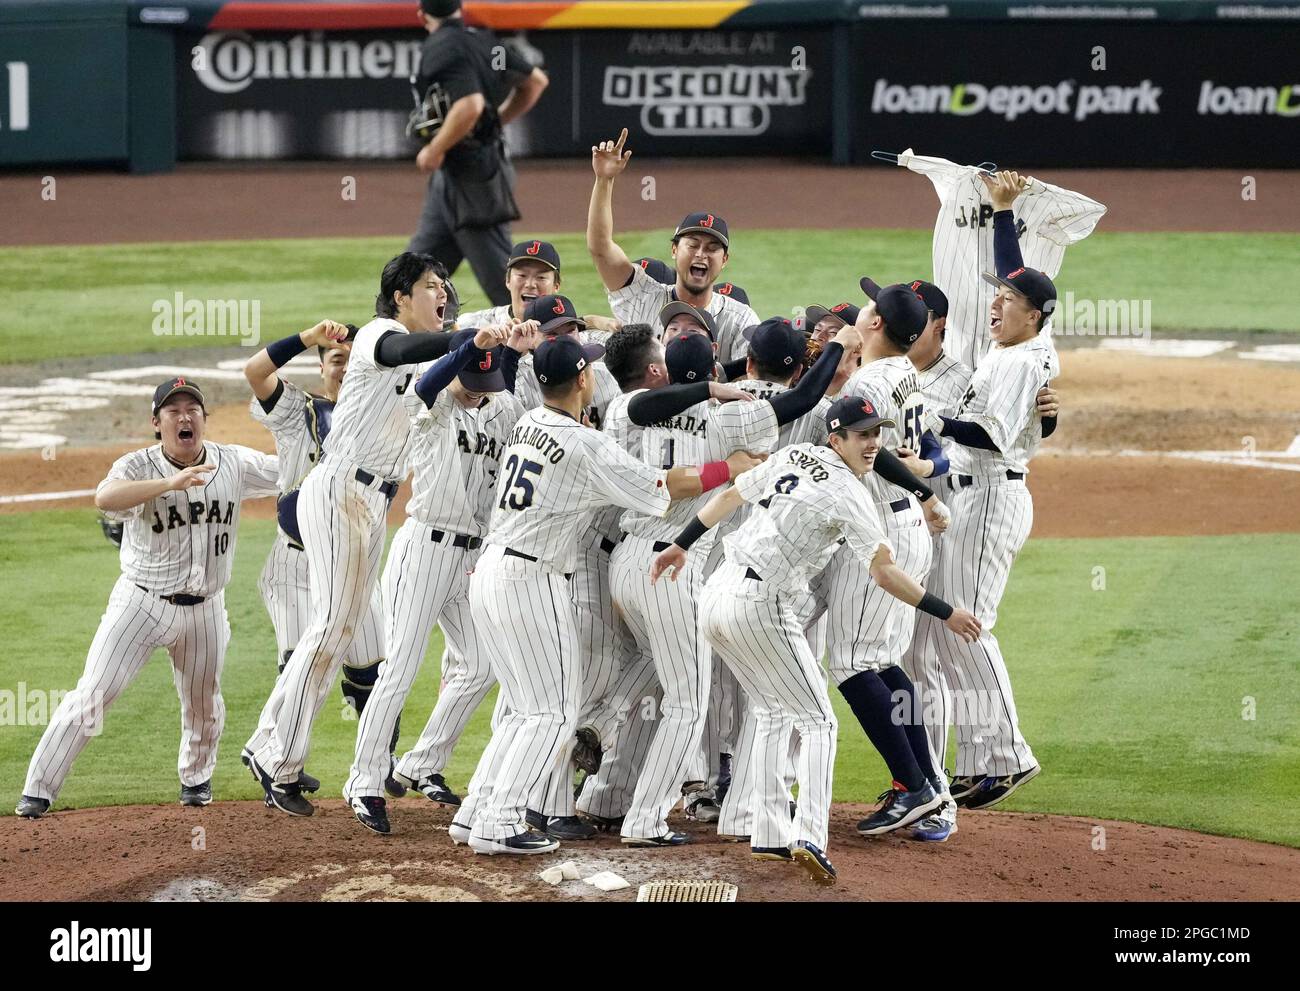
(283, 351)
(935, 606)
(695, 529)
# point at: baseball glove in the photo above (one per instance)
(112, 531)
(813, 353)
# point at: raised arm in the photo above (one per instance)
(608, 159)
(260, 370)
(812, 385)
(396, 349)
(116, 495)
(1003, 190)
(446, 368)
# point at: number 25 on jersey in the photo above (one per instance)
(517, 490)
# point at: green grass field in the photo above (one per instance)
(1135, 697)
(80, 301)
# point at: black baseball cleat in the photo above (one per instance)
(963, 787)
(433, 787)
(724, 777)
(586, 750)
(605, 824)
(816, 863)
(668, 839)
(372, 812)
(197, 796)
(32, 808)
(900, 808)
(703, 809)
(286, 798)
(771, 853)
(526, 843)
(569, 828)
(305, 781)
(535, 820)
(394, 784)
(995, 790)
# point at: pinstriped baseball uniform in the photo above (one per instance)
(342, 520)
(554, 471)
(805, 500)
(529, 392)
(943, 383)
(455, 456)
(1048, 218)
(493, 316)
(641, 300)
(991, 519)
(663, 617)
(299, 422)
(867, 628)
(179, 542)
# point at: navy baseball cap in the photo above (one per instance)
(1030, 283)
(657, 270)
(704, 223)
(932, 296)
(732, 290)
(845, 313)
(903, 311)
(776, 342)
(174, 387)
(481, 374)
(702, 317)
(855, 413)
(689, 358)
(560, 359)
(553, 313)
(535, 251)
(440, 8)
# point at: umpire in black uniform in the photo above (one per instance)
(468, 85)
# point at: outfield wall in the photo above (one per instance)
(1107, 84)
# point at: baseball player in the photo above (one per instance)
(700, 249)
(179, 501)
(300, 422)
(344, 502)
(995, 434)
(868, 630)
(1050, 219)
(532, 270)
(682, 426)
(807, 500)
(463, 414)
(554, 472)
(555, 316)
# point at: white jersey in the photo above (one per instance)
(529, 391)
(805, 499)
(554, 471)
(627, 435)
(1002, 398)
(807, 429)
(370, 426)
(493, 316)
(299, 423)
(891, 385)
(943, 383)
(1048, 220)
(455, 454)
(185, 541)
(707, 431)
(641, 300)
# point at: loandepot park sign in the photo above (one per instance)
(231, 61)
(705, 100)
(1010, 102)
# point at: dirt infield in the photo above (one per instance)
(207, 202)
(241, 851)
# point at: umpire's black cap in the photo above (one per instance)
(440, 8)
(704, 223)
(689, 358)
(174, 386)
(554, 313)
(559, 359)
(535, 251)
(657, 270)
(1034, 285)
(902, 309)
(776, 343)
(483, 373)
(855, 413)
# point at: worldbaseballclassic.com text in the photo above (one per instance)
(35, 707)
(181, 317)
(95, 945)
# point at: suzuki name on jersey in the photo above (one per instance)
(196, 515)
